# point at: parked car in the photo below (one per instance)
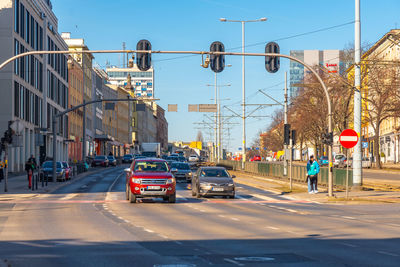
(112, 160)
(47, 168)
(255, 158)
(181, 171)
(366, 162)
(213, 181)
(150, 177)
(128, 158)
(100, 161)
(338, 161)
(323, 161)
(193, 158)
(68, 170)
(173, 158)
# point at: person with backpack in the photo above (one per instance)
(312, 175)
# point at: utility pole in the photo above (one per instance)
(285, 163)
(357, 171)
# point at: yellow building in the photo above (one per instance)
(384, 51)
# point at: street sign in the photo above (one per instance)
(348, 138)
(364, 144)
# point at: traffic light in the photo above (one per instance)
(272, 63)
(217, 62)
(327, 138)
(293, 136)
(143, 60)
(286, 134)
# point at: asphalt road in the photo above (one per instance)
(89, 223)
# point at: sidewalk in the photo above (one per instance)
(299, 191)
(18, 186)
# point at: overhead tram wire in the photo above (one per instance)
(263, 43)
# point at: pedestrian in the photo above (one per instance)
(110, 154)
(29, 171)
(33, 161)
(312, 175)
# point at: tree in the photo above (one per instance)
(199, 137)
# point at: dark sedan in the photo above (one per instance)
(47, 169)
(213, 181)
(181, 171)
(100, 161)
(128, 158)
(112, 161)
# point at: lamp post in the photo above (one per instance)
(218, 150)
(243, 83)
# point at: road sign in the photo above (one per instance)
(348, 138)
(364, 144)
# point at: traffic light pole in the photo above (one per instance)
(308, 67)
(285, 163)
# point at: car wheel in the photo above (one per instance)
(232, 196)
(172, 198)
(165, 198)
(132, 197)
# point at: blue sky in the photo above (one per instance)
(194, 25)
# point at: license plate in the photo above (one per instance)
(219, 189)
(153, 187)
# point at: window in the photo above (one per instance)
(36, 119)
(16, 99)
(27, 26)
(40, 39)
(32, 38)
(16, 16)
(22, 62)
(22, 21)
(21, 102)
(27, 105)
(36, 43)
(33, 70)
(16, 52)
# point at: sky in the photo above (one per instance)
(194, 25)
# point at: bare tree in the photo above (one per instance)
(199, 137)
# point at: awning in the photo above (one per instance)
(104, 137)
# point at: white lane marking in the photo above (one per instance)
(148, 230)
(235, 219)
(84, 186)
(234, 262)
(120, 218)
(69, 196)
(348, 244)
(181, 197)
(127, 221)
(163, 236)
(293, 233)
(264, 197)
(222, 216)
(111, 186)
(240, 197)
(347, 217)
(273, 228)
(388, 253)
(202, 210)
(394, 224)
(178, 242)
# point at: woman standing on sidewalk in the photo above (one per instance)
(312, 171)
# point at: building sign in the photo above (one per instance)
(332, 68)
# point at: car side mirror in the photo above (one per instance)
(174, 170)
(127, 170)
(233, 176)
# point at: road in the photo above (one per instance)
(89, 223)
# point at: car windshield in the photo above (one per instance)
(151, 166)
(49, 164)
(180, 166)
(111, 157)
(100, 157)
(339, 156)
(65, 165)
(213, 173)
(128, 156)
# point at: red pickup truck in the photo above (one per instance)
(148, 177)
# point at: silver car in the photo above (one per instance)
(213, 181)
(181, 171)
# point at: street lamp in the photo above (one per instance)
(218, 151)
(243, 82)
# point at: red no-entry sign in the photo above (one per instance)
(348, 138)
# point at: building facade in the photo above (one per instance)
(75, 118)
(36, 86)
(141, 81)
(85, 60)
(331, 60)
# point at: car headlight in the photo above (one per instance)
(170, 180)
(190, 174)
(231, 184)
(136, 180)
